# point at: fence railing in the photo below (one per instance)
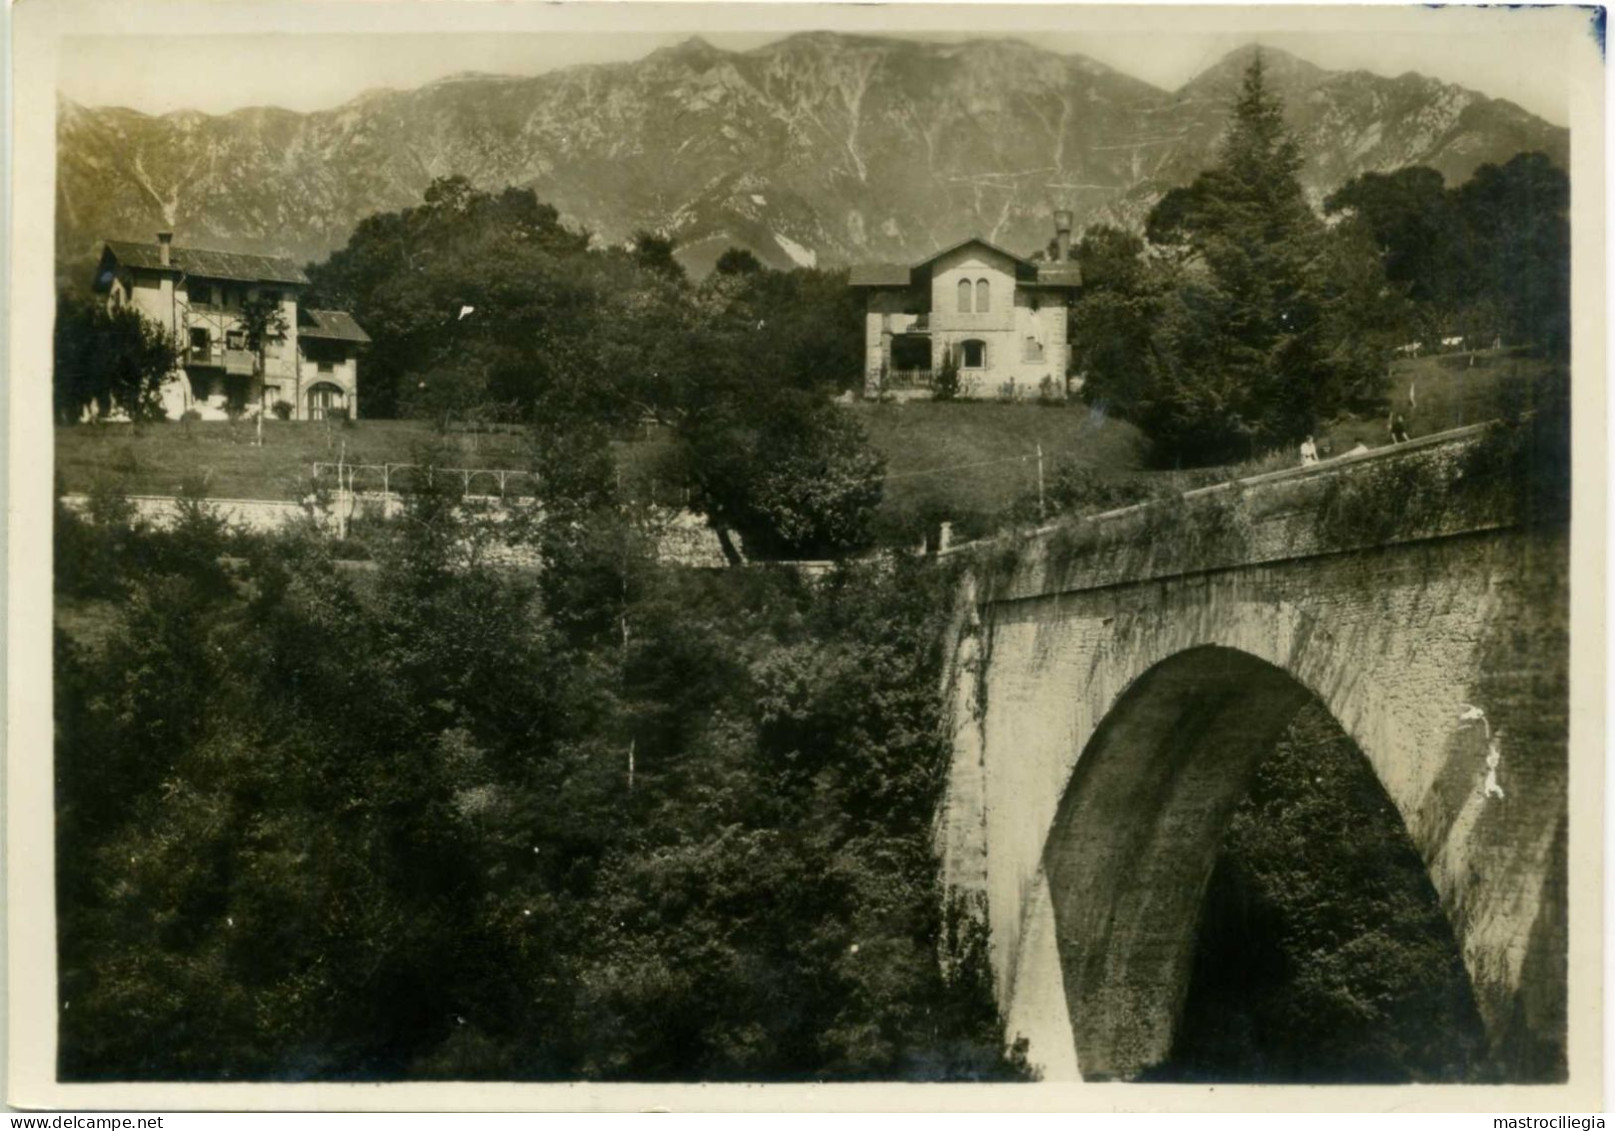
(910, 378)
(391, 477)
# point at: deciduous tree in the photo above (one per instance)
(108, 360)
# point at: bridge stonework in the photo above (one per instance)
(1115, 682)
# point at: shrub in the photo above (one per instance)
(1524, 460)
(1076, 488)
(946, 386)
(92, 547)
(1379, 504)
(283, 410)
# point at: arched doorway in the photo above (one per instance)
(323, 398)
(1148, 931)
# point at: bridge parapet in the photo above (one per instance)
(1451, 483)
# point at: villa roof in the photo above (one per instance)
(1030, 272)
(332, 325)
(1021, 261)
(208, 264)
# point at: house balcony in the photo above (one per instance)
(905, 323)
(235, 362)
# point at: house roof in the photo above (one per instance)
(333, 325)
(1031, 272)
(209, 264)
(1019, 260)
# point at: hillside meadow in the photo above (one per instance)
(969, 463)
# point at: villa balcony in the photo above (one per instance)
(235, 362)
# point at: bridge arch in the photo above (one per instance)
(1133, 842)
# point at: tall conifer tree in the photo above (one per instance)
(1244, 358)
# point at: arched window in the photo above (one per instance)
(983, 302)
(964, 296)
(973, 354)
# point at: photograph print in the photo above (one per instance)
(816, 545)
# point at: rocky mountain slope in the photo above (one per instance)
(821, 148)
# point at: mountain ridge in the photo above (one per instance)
(816, 148)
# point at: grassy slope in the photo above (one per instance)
(1451, 391)
(156, 459)
(962, 461)
(917, 438)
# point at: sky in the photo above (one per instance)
(201, 65)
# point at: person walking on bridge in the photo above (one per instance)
(1399, 428)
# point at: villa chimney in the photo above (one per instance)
(1062, 235)
(165, 242)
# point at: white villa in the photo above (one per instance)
(999, 317)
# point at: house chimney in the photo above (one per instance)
(1062, 235)
(165, 241)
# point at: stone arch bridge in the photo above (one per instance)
(1114, 682)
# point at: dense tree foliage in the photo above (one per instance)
(654, 252)
(795, 480)
(738, 261)
(1114, 321)
(486, 305)
(468, 298)
(1324, 955)
(108, 360)
(1247, 321)
(473, 296)
(433, 820)
(1488, 259)
(1408, 214)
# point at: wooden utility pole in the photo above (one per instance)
(341, 511)
(1042, 511)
